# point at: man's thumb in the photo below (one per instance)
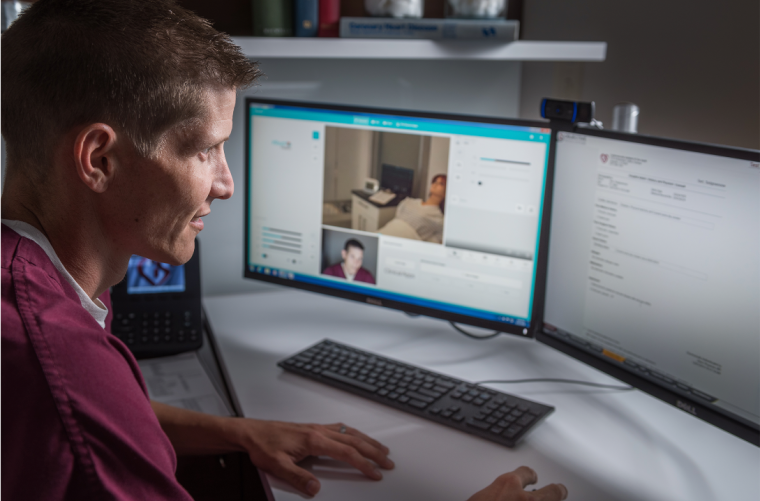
(297, 477)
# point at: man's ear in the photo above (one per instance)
(95, 156)
(343, 254)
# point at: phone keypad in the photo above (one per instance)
(157, 327)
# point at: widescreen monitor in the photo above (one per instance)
(459, 240)
(654, 269)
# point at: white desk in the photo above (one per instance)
(602, 444)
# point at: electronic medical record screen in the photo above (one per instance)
(433, 214)
(654, 268)
(145, 276)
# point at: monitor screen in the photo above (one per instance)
(145, 276)
(654, 269)
(452, 233)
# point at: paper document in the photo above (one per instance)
(181, 381)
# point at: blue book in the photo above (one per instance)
(306, 17)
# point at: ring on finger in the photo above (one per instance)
(343, 429)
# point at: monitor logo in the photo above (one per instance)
(604, 157)
(376, 302)
(686, 407)
(284, 145)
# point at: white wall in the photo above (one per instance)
(348, 161)
(693, 66)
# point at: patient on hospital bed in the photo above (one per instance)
(420, 220)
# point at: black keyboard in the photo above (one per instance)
(490, 414)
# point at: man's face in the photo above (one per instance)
(164, 198)
(352, 259)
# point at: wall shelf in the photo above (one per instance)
(342, 48)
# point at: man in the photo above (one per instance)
(115, 113)
(351, 266)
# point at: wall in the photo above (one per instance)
(348, 161)
(439, 159)
(693, 67)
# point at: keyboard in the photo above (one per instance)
(477, 410)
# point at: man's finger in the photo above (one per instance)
(365, 449)
(552, 492)
(336, 450)
(356, 433)
(526, 475)
(285, 469)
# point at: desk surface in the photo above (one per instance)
(602, 444)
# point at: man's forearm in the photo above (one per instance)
(193, 432)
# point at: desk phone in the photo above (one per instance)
(157, 307)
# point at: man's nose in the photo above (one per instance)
(223, 186)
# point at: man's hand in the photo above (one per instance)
(276, 447)
(511, 487)
(273, 446)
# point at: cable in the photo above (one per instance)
(473, 336)
(551, 380)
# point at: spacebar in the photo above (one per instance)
(353, 382)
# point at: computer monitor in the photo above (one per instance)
(654, 270)
(464, 244)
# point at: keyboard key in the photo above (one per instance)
(418, 404)
(512, 431)
(364, 386)
(424, 398)
(497, 430)
(429, 393)
(444, 383)
(403, 399)
(478, 424)
(435, 410)
(446, 414)
(526, 419)
(458, 418)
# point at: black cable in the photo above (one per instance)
(473, 336)
(551, 380)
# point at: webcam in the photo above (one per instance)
(567, 111)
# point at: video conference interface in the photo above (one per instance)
(654, 264)
(438, 213)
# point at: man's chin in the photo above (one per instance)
(177, 255)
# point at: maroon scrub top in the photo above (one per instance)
(76, 417)
(362, 275)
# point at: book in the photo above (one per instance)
(272, 18)
(329, 18)
(431, 29)
(306, 14)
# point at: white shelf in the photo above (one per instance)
(342, 48)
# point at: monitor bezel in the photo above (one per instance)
(736, 426)
(540, 278)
